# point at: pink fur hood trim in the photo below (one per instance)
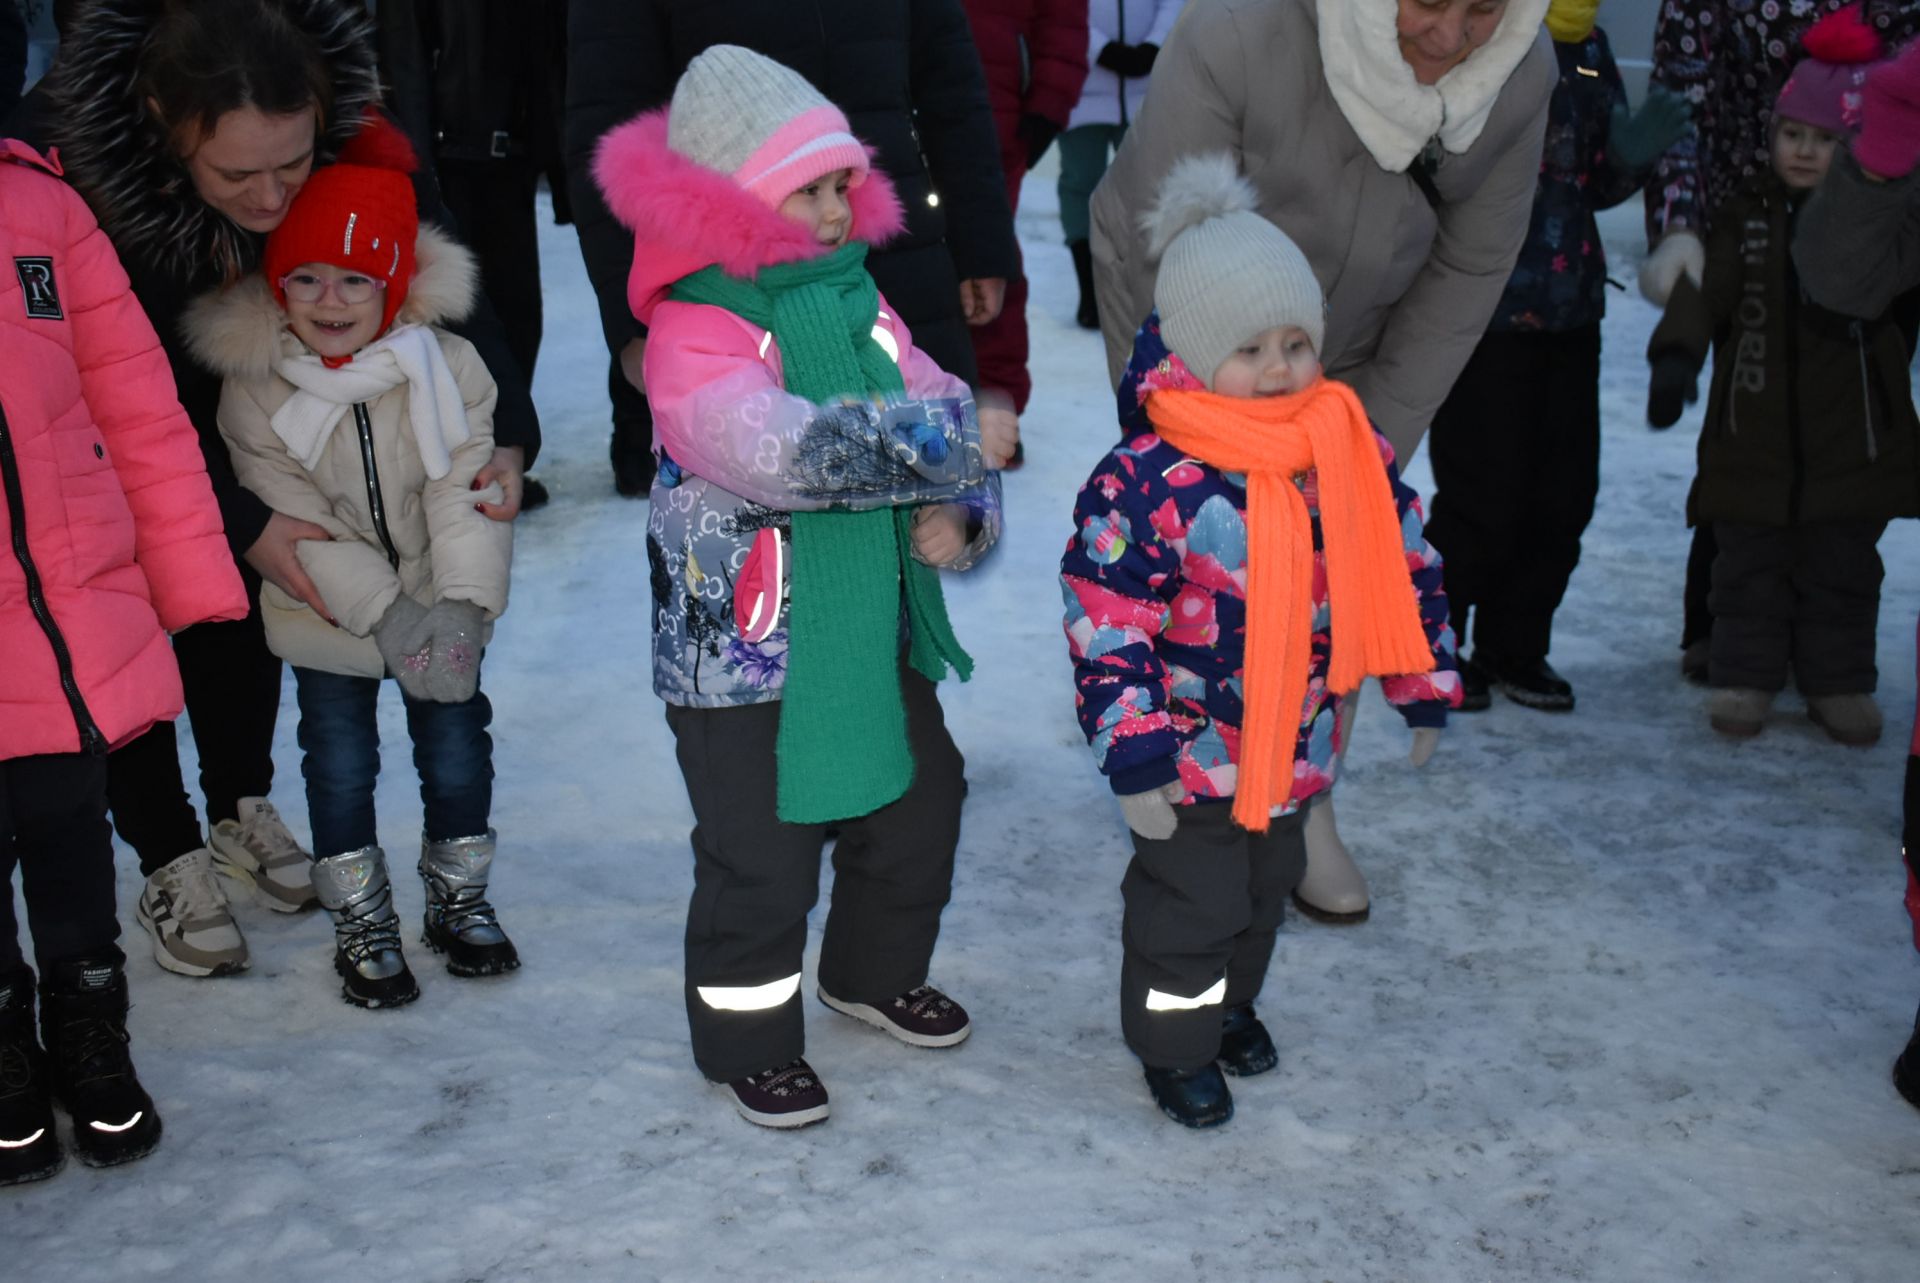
(685, 216)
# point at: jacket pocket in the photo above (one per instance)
(761, 591)
(99, 521)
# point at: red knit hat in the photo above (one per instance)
(1824, 88)
(357, 214)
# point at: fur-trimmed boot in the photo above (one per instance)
(29, 1148)
(83, 1022)
(460, 923)
(354, 890)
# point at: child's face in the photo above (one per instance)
(1271, 363)
(333, 311)
(1801, 154)
(822, 207)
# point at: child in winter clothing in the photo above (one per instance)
(1240, 562)
(345, 405)
(1809, 444)
(113, 540)
(815, 468)
(1516, 446)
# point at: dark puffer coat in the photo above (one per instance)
(1811, 416)
(906, 74)
(176, 247)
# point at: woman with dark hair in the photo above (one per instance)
(188, 127)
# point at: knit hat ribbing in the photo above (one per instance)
(1226, 273)
(357, 214)
(759, 122)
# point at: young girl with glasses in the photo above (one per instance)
(346, 405)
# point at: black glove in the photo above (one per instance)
(1036, 134)
(1111, 55)
(1675, 383)
(1140, 61)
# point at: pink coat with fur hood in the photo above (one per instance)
(113, 539)
(737, 451)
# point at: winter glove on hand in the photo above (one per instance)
(405, 658)
(1635, 139)
(1136, 61)
(1675, 384)
(1151, 814)
(1112, 56)
(1036, 135)
(450, 632)
(1678, 251)
(1888, 144)
(1425, 740)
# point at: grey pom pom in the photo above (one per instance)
(1196, 189)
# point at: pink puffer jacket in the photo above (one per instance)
(108, 530)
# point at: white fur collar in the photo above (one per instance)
(1394, 114)
(236, 331)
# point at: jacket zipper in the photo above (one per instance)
(1119, 82)
(376, 506)
(1794, 417)
(1866, 392)
(91, 740)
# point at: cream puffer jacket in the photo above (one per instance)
(445, 547)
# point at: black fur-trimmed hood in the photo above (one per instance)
(118, 159)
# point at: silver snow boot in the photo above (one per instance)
(354, 890)
(459, 922)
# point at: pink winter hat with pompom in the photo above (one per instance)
(760, 123)
(1824, 88)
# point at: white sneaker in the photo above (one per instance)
(183, 909)
(257, 849)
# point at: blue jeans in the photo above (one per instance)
(340, 734)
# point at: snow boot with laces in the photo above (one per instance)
(460, 922)
(83, 1022)
(29, 1148)
(354, 890)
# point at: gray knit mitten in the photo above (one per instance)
(451, 634)
(1152, 814)
(405, 657)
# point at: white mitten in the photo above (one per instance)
(1678, 251)
(1151, 814)
(1425, 740)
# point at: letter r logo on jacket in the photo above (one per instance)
(36, 285)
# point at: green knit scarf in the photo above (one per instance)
(843, 748)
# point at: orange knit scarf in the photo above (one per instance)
(1375, 616)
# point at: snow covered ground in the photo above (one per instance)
(1624, 1010)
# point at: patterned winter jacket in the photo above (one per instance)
(738, 453)
(1730, 57)
(1559, 282)
(1154, 581)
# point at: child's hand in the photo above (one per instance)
(1425, 740)
(1673, 384)
(940, 533)
(999, 435)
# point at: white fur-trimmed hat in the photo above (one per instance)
(760, 122)
(1226, 273)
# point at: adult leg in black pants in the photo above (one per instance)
(1516, 465)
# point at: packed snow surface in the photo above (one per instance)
(1624, 1010)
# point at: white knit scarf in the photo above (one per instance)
(408, 354)
(1394, 114)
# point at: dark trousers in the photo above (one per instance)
(1201, 907)
(1697, 617)
(1516, 466)
(1800, 597)
(53, 827)
(340, 734)
(493, 204)
(755, 878)
(232, 684)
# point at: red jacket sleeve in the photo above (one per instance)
(1057, 47)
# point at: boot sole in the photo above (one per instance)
(115, 1157)
(180, 966)
(352, 999)
(1535, 700)
(867, 1015)
(1328, 917)
(776, 1122)
(1232, 1070)
(1736, 730)
(469, 970)
(44, 1172)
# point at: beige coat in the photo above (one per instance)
(1410, 285)
(446, 548)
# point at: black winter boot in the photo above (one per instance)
(1191, 1097)
(1088, 313)
(29, 1148)
(1906, 1070)
(1246, 1048)
(1530, 683)
(83, 1020)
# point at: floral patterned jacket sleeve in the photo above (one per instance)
(1422, 698)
